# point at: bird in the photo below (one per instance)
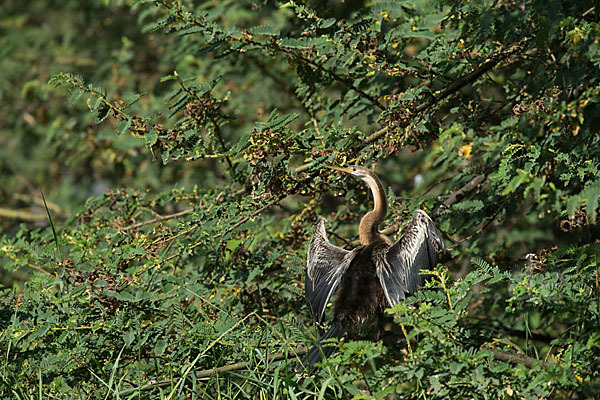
(369, 278)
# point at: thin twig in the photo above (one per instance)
(303, 167)
(454, 87)
(589, 11)
(158, 219)
(245, 39)
(254, 213)
(339, 78)
(483, 225)
(219, 136)
(30, 265)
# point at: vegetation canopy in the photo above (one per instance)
(163, 171)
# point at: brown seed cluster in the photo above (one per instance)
(138, 127)
(537, 262)
(535, 107)
(266, 154)
(577, 221)
(298, 237)
(97, 283)
(402, 115)
(199, 112)
(265, 145)
(169, 139)
(203, 109)
(403, 126)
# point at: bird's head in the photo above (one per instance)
(355, 170)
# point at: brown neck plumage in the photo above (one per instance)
(368, 229)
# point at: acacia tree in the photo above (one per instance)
(184, 276)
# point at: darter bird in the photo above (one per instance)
(370, 278)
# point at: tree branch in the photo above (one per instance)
(516, 358)
(459, 194)
(455, 86)
(452, 88)
(343, 80)
(22, 215)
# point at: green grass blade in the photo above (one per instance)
(58, 252)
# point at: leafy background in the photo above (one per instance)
(180, 148)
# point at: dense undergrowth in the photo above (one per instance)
(181, 205)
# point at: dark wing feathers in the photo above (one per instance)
(417, 249)
(325, 265)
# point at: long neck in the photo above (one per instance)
(368, 228)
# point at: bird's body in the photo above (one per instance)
(360, 296)
(371, 277)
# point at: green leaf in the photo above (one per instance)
(572, 204)
(521, 177)
(275, 122)
(264, 30)
(293, 43)
(168, 78)
(76, 95)
(421, 34)
(327, 23)
(131, 100)
(129, 337)
(123, 126)
(160, 347)
(39, 332)
(591, 194)
(151, 137)
(103, 113)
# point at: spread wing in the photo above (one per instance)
(417, 249)
(325, 265)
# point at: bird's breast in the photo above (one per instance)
(360, 296)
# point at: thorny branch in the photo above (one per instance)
(452, 88)
(288, 52)
(456, 85)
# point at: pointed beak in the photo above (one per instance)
(346, 170)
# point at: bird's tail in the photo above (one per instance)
(314, 354)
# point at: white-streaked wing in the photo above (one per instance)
(417, 249)
(325, 265)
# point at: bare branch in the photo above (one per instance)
(516, 358)
(459, 194)
(22, 215)
(158, 219)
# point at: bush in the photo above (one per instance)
(167, 257)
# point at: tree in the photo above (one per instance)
(171, 260)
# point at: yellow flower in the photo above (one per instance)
(465, 150)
